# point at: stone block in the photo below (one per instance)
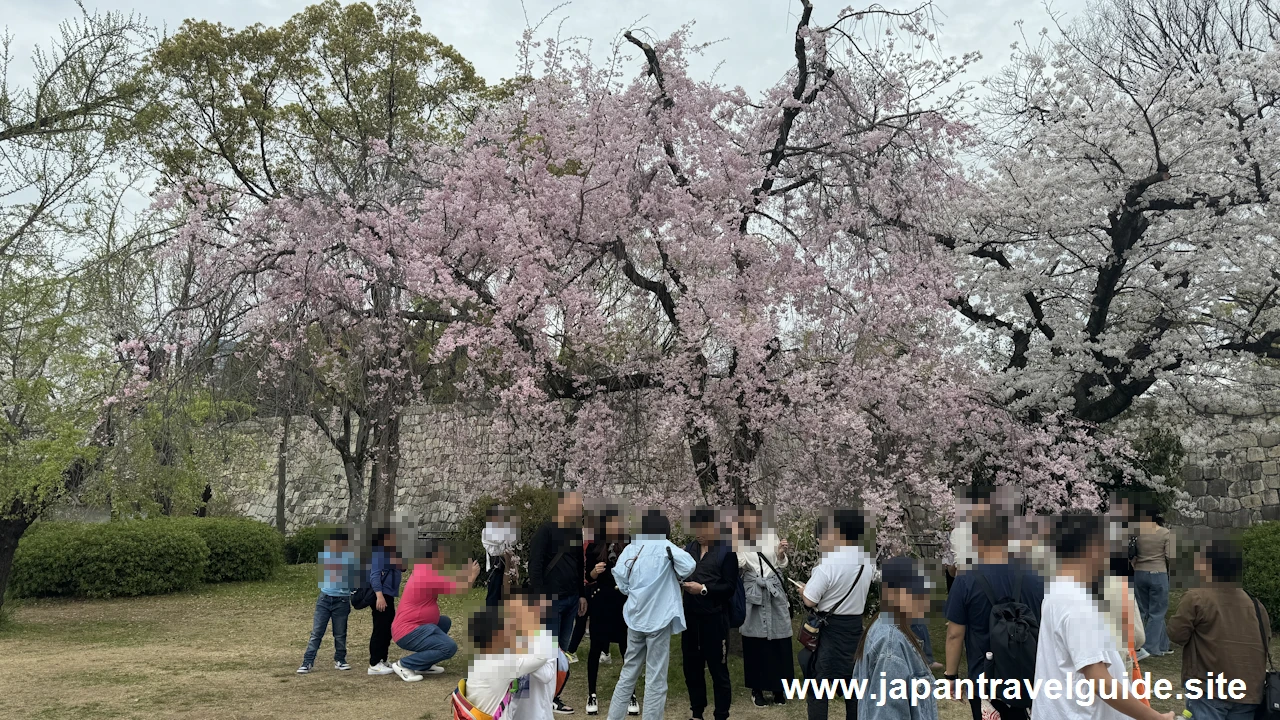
(1241, 518)
(1208, 503)
(1256, 486)
(1238, 489)
(1230, 473)
(1270, 467)
(1192, 473)
(1271, 513)
(1270, 497)
(1196, 488)
(1251, 472)
(1229, 504)
(1272, 481)
(1255, 454)
(1218, 488)
(1212, 473)
(1251, 501)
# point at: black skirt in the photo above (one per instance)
(766, 663)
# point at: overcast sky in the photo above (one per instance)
(756, 34)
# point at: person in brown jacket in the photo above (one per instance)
(1155, 549)
(1221, 630)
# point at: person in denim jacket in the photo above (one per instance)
(890, 652)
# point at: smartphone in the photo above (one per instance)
(797, 583)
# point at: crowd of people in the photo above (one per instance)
(1030, 602)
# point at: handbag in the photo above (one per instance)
(811, 630)
(1269, 708)
(364, 596)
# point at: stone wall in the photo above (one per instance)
(451, 455)
(1232, 472)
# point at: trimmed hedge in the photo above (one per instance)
(239, 549)
(1261, 546)
(304, 545)
(108, 560)
(45, 562)
(141, 557)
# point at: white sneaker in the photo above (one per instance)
(433, 670)
(341, 666)
(405, 673)
(604, 658)
(572, 657)
(380, 669)
(1143, 655)
(593, 706)
(303, 670)
(633, 707)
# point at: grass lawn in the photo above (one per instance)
(230, 651)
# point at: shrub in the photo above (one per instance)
(239, 549)
(109, 560)
(140, 558)
(1261, 546)
(304, 545)
(46, 560)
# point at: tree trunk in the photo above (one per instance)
(11, 531)
(282, 466)
(355, 490)
(386, 465)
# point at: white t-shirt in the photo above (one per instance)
(536, 705)
(834, 575)
(1073, 635)
(491, 674)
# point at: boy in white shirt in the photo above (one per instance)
(1075, 644)
(499, 659)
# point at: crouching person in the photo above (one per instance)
(649, 573)
(419, 627)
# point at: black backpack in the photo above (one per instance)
(1014, 629)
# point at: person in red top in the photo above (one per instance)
(419, 627)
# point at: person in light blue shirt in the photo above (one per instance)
(649, 572)
(337, 573)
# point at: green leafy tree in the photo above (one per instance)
(59, 135)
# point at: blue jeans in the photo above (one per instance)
(1204, 709)
(653, 651)
(1151, 590)
(921, 630)
(564, 612)
(430, 644)
(337, 610)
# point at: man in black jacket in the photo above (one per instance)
(708, 594)
(556, 571)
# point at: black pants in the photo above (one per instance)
(834, 661)
(380, 638)
(1006, 712)
(600, 644)
(493, 585)
(705, 643)
(579, 631)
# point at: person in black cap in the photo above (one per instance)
(889, 652)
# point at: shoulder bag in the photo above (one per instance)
(1269, 708)
(811, 630)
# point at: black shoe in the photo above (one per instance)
(560, 708)
(779, 699)
(757, 698)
